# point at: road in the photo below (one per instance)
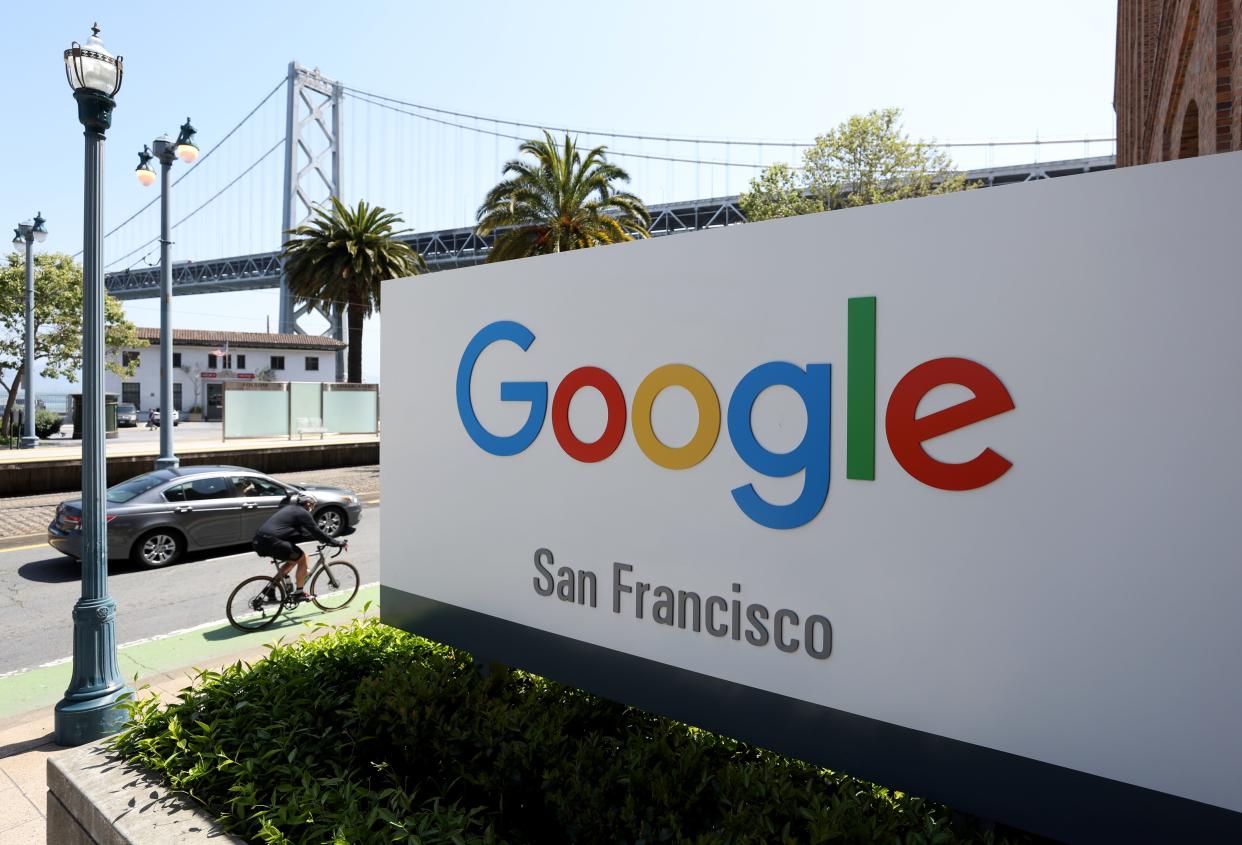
(38, 588)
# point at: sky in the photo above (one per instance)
(961, 70)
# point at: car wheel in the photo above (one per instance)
(158, 548)
(331, 521)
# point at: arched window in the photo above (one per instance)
(1189, 146)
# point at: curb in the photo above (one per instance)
(95, 796)
(14, 540)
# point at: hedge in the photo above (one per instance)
(368, 734)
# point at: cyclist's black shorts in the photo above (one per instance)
(274, 548)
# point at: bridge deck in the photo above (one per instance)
(450, 248)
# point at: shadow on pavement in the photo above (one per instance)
(291, 624)
(55, 570)
(24, 745)
(58, 570)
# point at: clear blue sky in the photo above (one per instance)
(961, 70)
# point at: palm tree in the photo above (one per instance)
(563, 200)
(340, 256)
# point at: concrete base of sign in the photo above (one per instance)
(96, 798)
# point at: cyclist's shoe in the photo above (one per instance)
(302, 596)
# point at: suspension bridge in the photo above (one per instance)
(433, 166)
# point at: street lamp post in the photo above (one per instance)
(27, 233)
(89, 709)
(165, 151)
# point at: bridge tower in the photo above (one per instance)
(313, 166)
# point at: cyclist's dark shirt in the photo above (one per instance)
(293, 523)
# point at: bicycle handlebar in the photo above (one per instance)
(344, 545)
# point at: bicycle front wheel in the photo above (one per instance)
(255, 603)
(335, 585)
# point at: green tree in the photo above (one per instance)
(340, 256)
(868, 159)
(562, 200)
(778, 192)
(58, 324)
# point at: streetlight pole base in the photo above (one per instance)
(167, 463)
(89, 709)
(28, 443)
(80, 722)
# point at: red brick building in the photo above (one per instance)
(1177, 84)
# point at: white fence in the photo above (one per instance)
(299, 409)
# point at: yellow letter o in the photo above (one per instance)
(704, 439)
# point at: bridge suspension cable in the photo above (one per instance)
(480, 130)
(204, 204)
(192, 169)
(358, 93)
(359, 97)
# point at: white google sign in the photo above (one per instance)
(941, 493)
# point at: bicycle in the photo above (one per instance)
(257, 602)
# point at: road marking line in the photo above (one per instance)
(144, 640)
(25, 548)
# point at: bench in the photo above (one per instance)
(310, 425)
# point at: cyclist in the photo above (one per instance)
(279, 536)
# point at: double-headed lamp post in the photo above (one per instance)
(165, 151)
(27, 233)
(89, 709)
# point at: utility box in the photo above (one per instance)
(110, 401)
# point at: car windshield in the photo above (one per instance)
(125, 409)
(127, 490)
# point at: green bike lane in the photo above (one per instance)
(43, 686)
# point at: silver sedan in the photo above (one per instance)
(155, 518)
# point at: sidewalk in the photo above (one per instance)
(26, 738)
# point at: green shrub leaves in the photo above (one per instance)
(368, 734)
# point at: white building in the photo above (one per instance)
(203, 361)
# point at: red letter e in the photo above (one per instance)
(906, 434)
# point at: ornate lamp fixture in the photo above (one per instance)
(146, 173)
(95, 75)
(186, 150)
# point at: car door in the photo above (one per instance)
(260, 498)
(207, 511)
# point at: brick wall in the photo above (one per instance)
(1175, 92)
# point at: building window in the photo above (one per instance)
(278, 362)
(176, 359)
(128, 358)
(211, 361)
(227, 362)
(312, 363)
(241, 362)
(131, 393)
(177, 395)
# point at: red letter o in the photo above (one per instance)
(614, 429)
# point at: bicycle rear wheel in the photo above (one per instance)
(335, 585)
(255, 603)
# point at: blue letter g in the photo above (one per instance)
(534, 392)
